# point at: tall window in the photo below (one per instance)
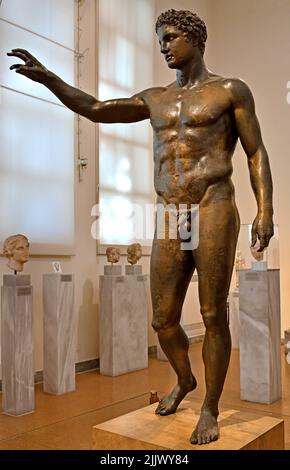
(36, 130)
(125, 151)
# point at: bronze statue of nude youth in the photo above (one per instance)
(197, 121)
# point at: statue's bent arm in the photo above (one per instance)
(259, 167)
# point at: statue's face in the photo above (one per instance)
(21, 251)
(177, 50)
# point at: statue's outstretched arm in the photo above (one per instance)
(118, 110)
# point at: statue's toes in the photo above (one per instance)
(193, 438)
(160, 408)
(214, 436)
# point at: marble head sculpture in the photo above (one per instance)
(113, 254)
(258, 255)
(16, 249)
(134, 253)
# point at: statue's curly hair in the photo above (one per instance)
(187, 22)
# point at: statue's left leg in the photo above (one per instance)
(214, 258)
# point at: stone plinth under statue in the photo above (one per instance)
(59, 334)
(144, 430)
(260, 335)
(123, 324)
(17, 345)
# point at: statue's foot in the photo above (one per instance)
(206, 429)
(170, 402)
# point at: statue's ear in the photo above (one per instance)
(189, 38)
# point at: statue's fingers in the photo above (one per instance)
(22, 69)
(264, 242)
(24, 52)
(268, 237)
(28, 61)
(20, 55)
(254, 236)
(15, 66)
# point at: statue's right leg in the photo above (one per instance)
(171, 271)
(214, 258)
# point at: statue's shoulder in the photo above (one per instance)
(230, 84)
(151, 92)
(237, 89)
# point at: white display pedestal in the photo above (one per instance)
(123, 324)
(112, 269)
(260, 333)
(259, 266)
(133, 269)
(234, 321)
(17, 345)
(59, 331)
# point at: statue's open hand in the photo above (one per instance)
(263, 229)
(32, 68)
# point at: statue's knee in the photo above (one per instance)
(214, 319)
(162, 321)
(209, 317)
(158, 324)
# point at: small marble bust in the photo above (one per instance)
(16, 249)
(134, 253)
(258, 255)
(113, 254)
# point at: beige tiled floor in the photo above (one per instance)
(65, 422)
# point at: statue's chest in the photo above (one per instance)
(192, 109)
